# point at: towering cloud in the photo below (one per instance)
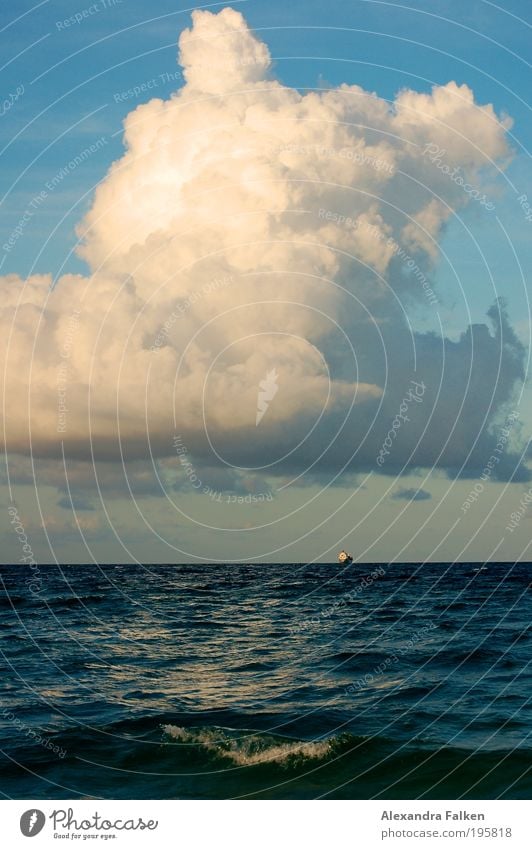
(251, 229)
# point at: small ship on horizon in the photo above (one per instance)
(344, 558)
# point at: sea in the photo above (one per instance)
(266, 681)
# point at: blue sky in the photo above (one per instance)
(75, 79)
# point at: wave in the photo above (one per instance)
(207, 762)
(74, 600)
(255, 748)
(475, 654)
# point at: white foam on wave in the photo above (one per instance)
(251, 749)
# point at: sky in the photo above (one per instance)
(264, 281)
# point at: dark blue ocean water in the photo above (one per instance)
(266, 681)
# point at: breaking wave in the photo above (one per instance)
(254, 748)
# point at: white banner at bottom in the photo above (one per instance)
(266, 824)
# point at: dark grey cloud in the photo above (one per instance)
(76, 502)
(452, 422)
(406, 494)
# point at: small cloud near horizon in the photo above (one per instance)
(406, 494)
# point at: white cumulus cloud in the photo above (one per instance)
(251, 228)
